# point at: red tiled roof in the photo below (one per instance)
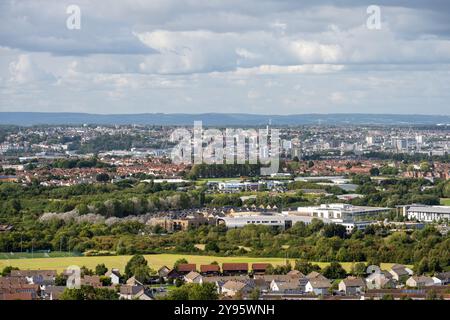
(209, 268)
(17, 296)
(235, 266)
(186, 267)
(260, 266)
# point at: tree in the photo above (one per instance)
(106, 281)
(206, 291)
(431, 295)
(134, 264)
(359, 269)
(446, 190)
(85, 271)
(7, 270)
(61, 280)
(102, 177)
(178, 282)
(255, 294)
(194, 291)
(279, 269)
(334, 230)
(178, 262)
(142, 273)
(374, 172)
(212, 246)
(179, 293)
(425, 166)
(89, 293)
(306, 267)
(422, 266)
(101, 269)
(334, 271)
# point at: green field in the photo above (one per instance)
(445, 201)
(27, 255)
(155, 261)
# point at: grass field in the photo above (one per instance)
(155, 261)
(27, 255)
(445, 201)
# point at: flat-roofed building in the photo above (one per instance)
(271, 220)
(338, 212)
(286, 220)
(237, 186)
(426, 213)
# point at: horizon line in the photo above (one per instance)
(228, 113)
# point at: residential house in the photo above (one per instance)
(134, 293)
(93, 281)
(400, 272)
(419, 281)
(10, 286)
(18, 296)
(114, 275)
(40, 277)
(220, 280)
(209, 270)
(315, 275)
(231, 288)
(286, 286)
(442, 279)
(278, 277)
(318, 286)
(193, 277)
(261, 285)
(234, 268)
(52, 292)
(133, 282)
(295, 273)
(10, 281)
(174, 274)
(382, 280)
(352, 286)
(163, 272)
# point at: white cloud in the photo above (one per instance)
(296, 69)
(23, 71)
(258, 55)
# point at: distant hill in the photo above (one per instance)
(218, 119)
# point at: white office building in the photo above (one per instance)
(285, 220)
(426, 213)
(339, 212)
(271, 220)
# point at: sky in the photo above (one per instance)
(230, 56)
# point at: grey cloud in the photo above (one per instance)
(265, 56)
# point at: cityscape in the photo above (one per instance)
(113, 191)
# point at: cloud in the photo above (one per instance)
(206, 51)
(23, 71)
(295, 69)
(267, 56)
